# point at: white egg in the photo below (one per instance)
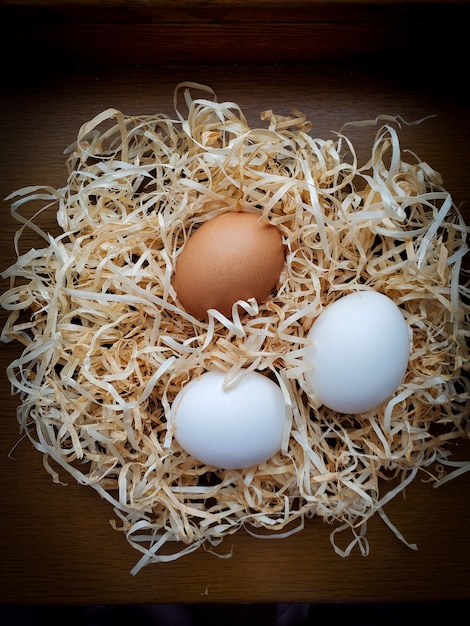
(229, 428)
(359, 353)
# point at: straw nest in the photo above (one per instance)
(106, 345)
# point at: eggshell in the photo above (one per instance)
(231, 429)
(234, 256)
(359, 353)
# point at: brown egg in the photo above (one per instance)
(234, 256)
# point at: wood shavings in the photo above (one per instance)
(106, 345)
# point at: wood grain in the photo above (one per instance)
(420, 36)
(57, 545)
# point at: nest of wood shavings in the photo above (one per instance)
(107, 345)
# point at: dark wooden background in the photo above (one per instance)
(337, 61)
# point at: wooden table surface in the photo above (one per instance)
(57, 545)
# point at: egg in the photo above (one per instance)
(231, 428)
(234, 256)
(359, 352)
